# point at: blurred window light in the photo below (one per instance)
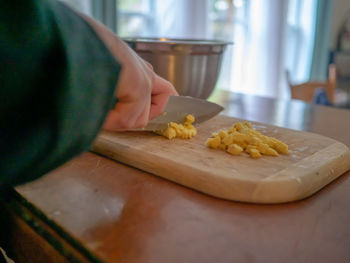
(269, 36)
(221, 5)
(83, 6)
(142, 6)
(238, 3)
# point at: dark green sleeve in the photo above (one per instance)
(57, 81)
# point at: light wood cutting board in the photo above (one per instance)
(314, 162)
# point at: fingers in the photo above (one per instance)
(158, 106)
(161, 91)
(127, 116)
(135, 112)
(163, 86)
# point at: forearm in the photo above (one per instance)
(58, 79)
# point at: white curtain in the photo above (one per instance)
(260, 49)
(300, 38)
(182, 19)
(277, 36)
(270, 36)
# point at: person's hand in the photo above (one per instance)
(142, 94)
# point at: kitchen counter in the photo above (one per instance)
(94, 209)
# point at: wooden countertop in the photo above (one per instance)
(120, 214)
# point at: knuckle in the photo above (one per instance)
(143, 123)
(125, 123)
(149, 65)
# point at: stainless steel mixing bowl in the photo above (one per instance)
(192, 66)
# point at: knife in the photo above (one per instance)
(178, 107)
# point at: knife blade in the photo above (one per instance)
(178, 107)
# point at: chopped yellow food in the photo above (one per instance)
(222, 147)
(184, 131)
(169, 133)
(271, 152)
(222, 134)
(282, 147)
(189, 119)
(254, 153)
(234, 149)
(242, 137)
(213, 142)
(228, 140)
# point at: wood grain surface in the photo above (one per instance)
(122, 214)
(314, 162)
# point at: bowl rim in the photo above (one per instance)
(177, 41)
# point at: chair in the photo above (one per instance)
(306, 91)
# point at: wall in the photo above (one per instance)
(341, 10)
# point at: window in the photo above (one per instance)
(300, 38)
(200, 19)
(136, 18)
(83, 6)
(270, 36)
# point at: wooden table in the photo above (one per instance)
(94, 209)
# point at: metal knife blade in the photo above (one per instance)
(178, 107)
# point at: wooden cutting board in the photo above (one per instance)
(314, 162)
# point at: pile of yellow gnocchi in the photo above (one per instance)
(176, 130)
(242, 137)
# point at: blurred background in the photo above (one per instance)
(271, 37)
